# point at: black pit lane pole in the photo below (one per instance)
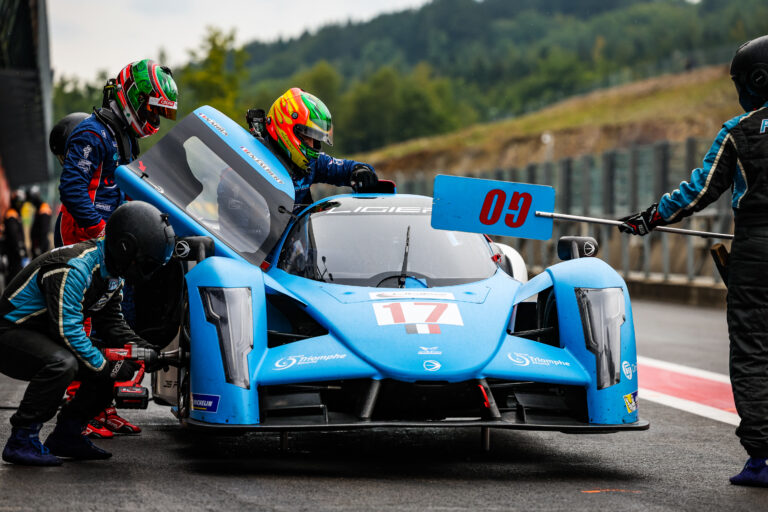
(610, 222)
(718, 251)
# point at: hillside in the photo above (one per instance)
(669, 107)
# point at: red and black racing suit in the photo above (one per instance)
(87, 188)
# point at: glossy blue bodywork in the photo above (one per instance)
(362, 342)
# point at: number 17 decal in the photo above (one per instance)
(393, 313)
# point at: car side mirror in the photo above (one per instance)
(572, 247)
(193, 248)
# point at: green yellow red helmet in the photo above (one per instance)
(298, 122)
(146, 91)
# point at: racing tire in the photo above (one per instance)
(184, 397)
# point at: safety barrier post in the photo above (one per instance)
(661, 186)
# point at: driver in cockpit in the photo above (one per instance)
(293, 130)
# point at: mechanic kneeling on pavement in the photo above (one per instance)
(738, 160)
(42, 338)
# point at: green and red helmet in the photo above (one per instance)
(298, 122)
(146, 91)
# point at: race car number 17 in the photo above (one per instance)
(492, 207)
(393, 313)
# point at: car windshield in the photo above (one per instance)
(362, 241)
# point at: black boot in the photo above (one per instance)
(67, 440)
(24, 447)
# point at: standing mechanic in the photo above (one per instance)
(133, 104)
(738, 160)
(90, 150)
(42, 339)
(295, 126)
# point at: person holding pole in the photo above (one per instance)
(737, 160)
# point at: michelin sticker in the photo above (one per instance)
(527, 360)
(630, 402)
(205, 403)
(289, 361)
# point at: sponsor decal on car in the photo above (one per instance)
(289, 361)
(411, 295)
(213, 123)
(422, 328)
(432, 351)
(205, 403)
(630, 402)
(262, 165)
(629, 369)
(527, 360)
(182, 249)
(402, 210)
(431, 365)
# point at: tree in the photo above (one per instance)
(215, 75)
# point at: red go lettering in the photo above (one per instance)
(493, 205)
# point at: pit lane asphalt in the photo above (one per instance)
(682, 463)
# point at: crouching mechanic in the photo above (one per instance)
(737, 161)
(42, 338)
(293, 130)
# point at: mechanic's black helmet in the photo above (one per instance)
(60, 132)
(749, 71)
(138, 241)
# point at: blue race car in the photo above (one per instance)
(357, 313)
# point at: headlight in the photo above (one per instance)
(230, 310)
(602, 314)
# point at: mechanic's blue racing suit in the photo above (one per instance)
(41, 331)
(738, 159)
(88, 190)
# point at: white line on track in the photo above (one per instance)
(689, 406)
(685, 370)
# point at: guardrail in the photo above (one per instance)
(611, 185)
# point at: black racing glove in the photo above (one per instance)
(362, 178)
(642, 223)
(121, 370)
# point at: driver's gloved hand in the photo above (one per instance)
(642, 223)
(363, 178)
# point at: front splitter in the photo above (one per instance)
(569, 428)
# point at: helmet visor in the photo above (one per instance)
(315, 134)
(162, 107)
